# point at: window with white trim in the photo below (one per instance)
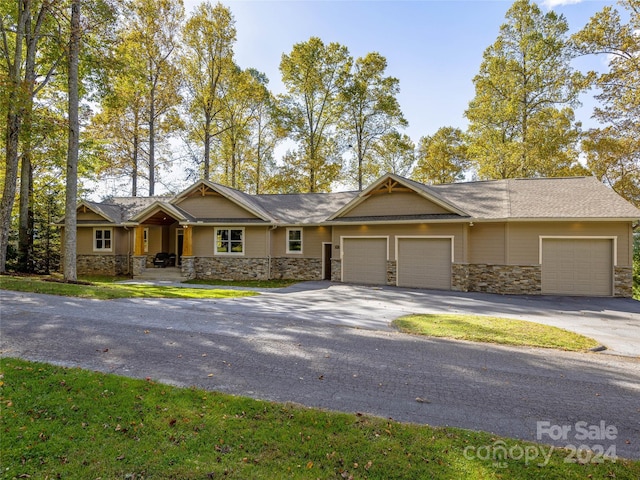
(102, 239)
(294, 240)
(229, 241)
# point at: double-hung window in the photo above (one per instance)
(229, 241)
(102, 239)
(294, 240)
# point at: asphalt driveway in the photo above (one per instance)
(331, 346)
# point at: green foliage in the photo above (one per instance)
(71, 423)
(371, 111)
(314, 75)
(442, 157)
(614, 151)
(521, 119)
(394, 152)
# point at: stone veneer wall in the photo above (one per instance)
(229, 268)
(460, 277)
(336, 270)
(392, 272)
(102, 264)
(296, 268)
(623, 282)
(505, 279)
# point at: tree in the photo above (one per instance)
(314, 74)
(614, 151)
(120, 127)
(207, 62)
(394, 152)
(242, 96)
(521, 119)
(614, 159)
(12, 56)
(371, 108)
(153, 29)
(70, 218)
(442, 157)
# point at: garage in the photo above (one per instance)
(364, 260)
(424, 263)
(577, 266)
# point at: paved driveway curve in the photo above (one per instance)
(294, 345)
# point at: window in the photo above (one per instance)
(294, 240)
(102, 239)
(229, 241)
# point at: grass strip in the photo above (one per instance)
(69, 423)
(106, 289)
(480, 328)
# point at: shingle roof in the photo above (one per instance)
(573, 197)
(544, 198)
(304, 208)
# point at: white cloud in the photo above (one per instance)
(557, 3)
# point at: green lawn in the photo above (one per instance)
(70, 423)
(103, 288)
(479, 328)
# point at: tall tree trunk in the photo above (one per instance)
(134, 170)
(152, 142)
(25, 230)
(70, 222)
(207, 147)
(12, 137)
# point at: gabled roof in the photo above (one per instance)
(392, 182)
(176, 213)
(243, 200)
(106, 211)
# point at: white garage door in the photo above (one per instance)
(364, 260)
(577, 267)
(424, 263)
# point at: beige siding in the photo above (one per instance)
(121, 239)
(393, 203)
(524, 238)
(84, 240)
(156, 240)
(88, 215)
(487, 243)
(312, 238)
(213, 207)
(255, 241)
(437, 229)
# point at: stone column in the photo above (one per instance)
(188, 268)
(139, 264)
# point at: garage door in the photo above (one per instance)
(577, 267)
(364, 260)
(424, 263)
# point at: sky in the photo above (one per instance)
(433, 47)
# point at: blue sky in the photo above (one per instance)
(433, 47)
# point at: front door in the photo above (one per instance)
(326, 260)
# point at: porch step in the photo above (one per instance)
(169, 274)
